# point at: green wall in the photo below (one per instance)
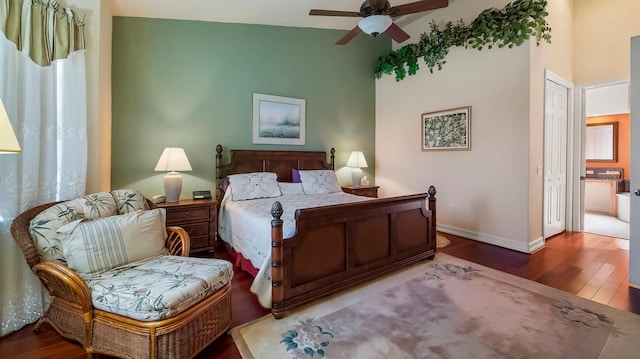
(190, 84)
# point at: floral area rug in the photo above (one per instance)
(446, 308)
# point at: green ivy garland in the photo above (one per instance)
(513, 25)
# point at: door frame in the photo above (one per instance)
(570, 208)
(580, 163)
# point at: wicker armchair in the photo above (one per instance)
(73, 315)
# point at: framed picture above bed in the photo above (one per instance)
(447, 130)
(278, 120)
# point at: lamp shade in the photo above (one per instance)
(356, 160)
(8, 141)
(173, 159)
(375, 25)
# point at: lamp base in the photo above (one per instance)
(172, 186)
(356, 177)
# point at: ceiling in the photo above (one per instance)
(273, 12)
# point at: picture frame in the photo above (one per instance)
(447, 130)
(278, 120)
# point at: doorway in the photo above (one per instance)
(606, 161)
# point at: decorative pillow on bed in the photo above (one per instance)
(295, 175)
(95, 246)
(291, 188)
(319, 182)
(224, 183)
(254, 185)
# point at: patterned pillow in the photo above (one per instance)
(254, 185)
(44, 226)
(319, 182)
(128, 200)
(93, 246)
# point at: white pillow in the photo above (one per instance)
(95, 246)
(291, 188)
(319, 182)
(254, 185)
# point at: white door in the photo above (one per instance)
(555, 158)
(634, 239)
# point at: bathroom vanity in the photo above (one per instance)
(602, 186)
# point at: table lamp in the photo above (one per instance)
(356, 161)
(173, 159)
(8, 141)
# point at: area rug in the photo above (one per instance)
(442, 241)
(445, 308)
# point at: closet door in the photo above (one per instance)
(555, 158)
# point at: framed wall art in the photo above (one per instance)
(447, 130)
(278, 120)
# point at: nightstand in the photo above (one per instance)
(198, 218)
(363, 190)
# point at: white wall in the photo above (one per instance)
(98, 61)
(494, 189)
(602, 32)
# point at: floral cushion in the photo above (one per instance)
(92, 246)
(43, 227)
(319, 182)
(254, 185)
(159, 288)
(128, 200)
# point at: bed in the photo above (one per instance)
(311, 251)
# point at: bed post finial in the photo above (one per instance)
(277, 254)
(276, 212)
(432, 191)
(333, 158)
(218, 155)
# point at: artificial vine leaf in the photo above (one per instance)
(513, 25)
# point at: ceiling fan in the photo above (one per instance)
(377, 17)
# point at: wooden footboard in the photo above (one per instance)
(337, 246)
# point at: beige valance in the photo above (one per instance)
(44, 30)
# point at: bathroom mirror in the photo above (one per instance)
(601, 142)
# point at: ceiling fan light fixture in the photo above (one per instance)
(375, 25)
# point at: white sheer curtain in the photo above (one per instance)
(47, 108)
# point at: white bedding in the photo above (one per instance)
(246, 226)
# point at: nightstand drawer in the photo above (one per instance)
(188, 214)
(199, 242)
(196, 229)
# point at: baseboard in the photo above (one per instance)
(536, 245)
(494, 240)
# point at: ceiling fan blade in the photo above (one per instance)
(397, 34)
(350, 35)
(334, 13)
(418, 6)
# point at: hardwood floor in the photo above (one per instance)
(589, 265)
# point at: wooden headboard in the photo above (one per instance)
(279, 162)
